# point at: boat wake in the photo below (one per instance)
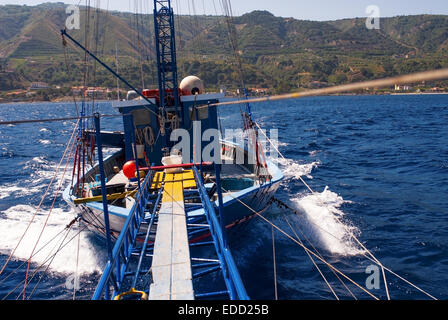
(293, 169)
(324, 223)
(320, 219)
(15, 219)
(54, 239)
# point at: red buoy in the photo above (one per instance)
(129, 169)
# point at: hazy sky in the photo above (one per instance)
(301, 9)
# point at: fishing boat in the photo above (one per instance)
(171, 165)
(149, 121)
(252, 183)
(174, 183)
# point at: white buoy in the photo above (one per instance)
(191, 85)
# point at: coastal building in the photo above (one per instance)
(39, 86)
(77, 90)
(259, 91)
(97, 92)
(402, 88)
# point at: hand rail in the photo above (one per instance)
(231, 275)
(123, 246)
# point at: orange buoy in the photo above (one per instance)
(130, 169)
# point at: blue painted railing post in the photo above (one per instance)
(103, 184)
(134, 147)
(128, 124)
(220, 202)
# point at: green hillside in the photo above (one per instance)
(282, 54)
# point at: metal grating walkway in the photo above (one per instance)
(160, 233)
(171, 266)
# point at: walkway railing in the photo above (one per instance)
(115, 269)
(234, 284)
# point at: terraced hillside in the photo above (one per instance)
(278, 53)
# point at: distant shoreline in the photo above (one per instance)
(53, 101)
(417, 94)
(70, 100)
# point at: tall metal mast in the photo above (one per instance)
(166, 54)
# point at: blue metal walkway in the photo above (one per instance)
(158, 254)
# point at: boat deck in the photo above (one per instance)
(119, 178)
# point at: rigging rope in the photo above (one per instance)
(374, 259)
(381, 83)
(347, 230)
(145, 136)
(42, 199)
(4, 123)
(86, 45)
(34, 273)
(301, 245)
(137, 5)
(231, 33)
(227, 8)
(317, 251)
(62, 246)
(37, 252)
(276, 149)
(179, 47)
(281, 204)
(275, 265)
(68, 72)
(312, 260)
(75, 281)
(48, 266)
(48, 217)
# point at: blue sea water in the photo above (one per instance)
(378, 166)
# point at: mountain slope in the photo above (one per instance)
(276, 52)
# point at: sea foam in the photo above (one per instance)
(321, 219)
(14, 222)
(323, 222)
